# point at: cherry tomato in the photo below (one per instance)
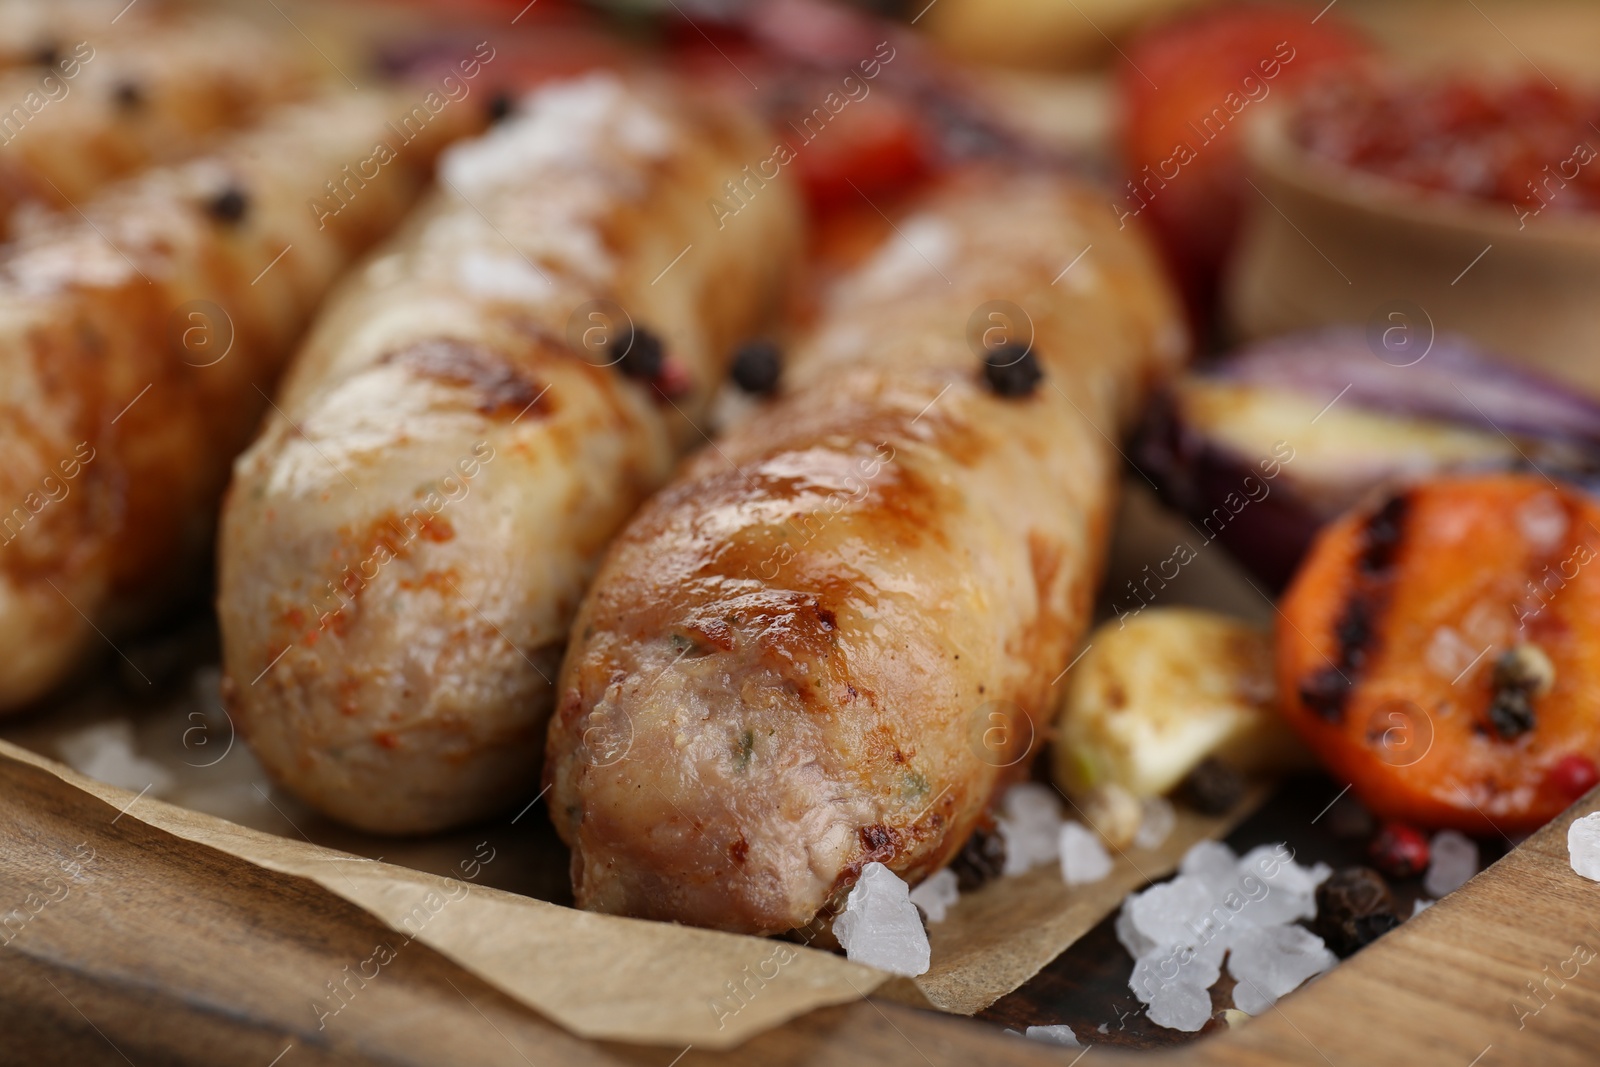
(1185, 89)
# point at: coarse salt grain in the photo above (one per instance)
(1269, 962)
(1453, 859)
(1060, 1034)
(1213, 863)
(1447, 654)
(562, 126)
(1542, 520)
(880, 927)
(1084, 857)
(1291, 889)
(1583, 846)
(1137, 944)
(1182, 1006)
(1220, 905)
(1030, 824)
(937, 893)
(105, 752)
(1157, 824)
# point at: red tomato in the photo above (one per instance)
(874, 147)
(1185, 89)
(878, 142)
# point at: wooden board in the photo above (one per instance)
(161, 951)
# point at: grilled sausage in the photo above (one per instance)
(405, 545)
(136, 346)
(106, 107)
(830, 640)
(39, 32)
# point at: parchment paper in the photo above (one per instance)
(599, 976)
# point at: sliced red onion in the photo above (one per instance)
(1452, 379)
(1352, 424)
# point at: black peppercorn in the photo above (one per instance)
(499, 106)
(642, 355)
(1325, 692)
(128, 95)
(229, 205)
(48, 55)
(1012, 370)
(757, 366)
(1511, 713)
(980, 860)
(1520, 674)
(1368, 928)
(1354, 909)
(1212, 788)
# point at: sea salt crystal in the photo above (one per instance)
(880, 926)
(1248, 998)
(505, 277)
(1060, 1034)
(1030, 824)
(1269, 962)
(1542, 521)
(1447, 653)
(1031, 802)
(1291, 889)
(1223, 906)
(1136, 943)
(1200, 966)
(1453, 860)
(1164, 913)
(1213, 863)
(1084, 857)
(106, 752)
(1583, 846)
(1214, 936)
(1181, 1006)
(1156, 827)
(562, 126)
(936, 894)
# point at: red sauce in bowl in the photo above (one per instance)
(1527, 144)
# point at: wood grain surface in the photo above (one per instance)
(140, 948)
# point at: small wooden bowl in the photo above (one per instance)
(1326, 244)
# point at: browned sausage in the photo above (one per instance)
(833, 636)
(133, 95)
(138, 345)
(405, 545)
